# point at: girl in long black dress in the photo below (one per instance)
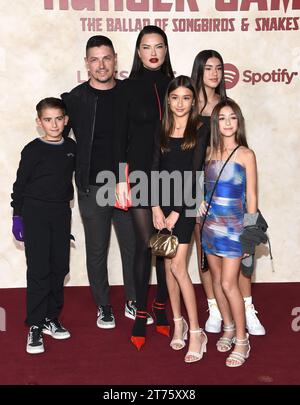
(141, 101)
(181, 149)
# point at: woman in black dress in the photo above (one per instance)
(140, 107)
(181, 149)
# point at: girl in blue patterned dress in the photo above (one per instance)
(235, 194)
(208, 76)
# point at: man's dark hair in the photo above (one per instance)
(50, 102)
(99, 40)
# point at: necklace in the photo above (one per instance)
(179, 125)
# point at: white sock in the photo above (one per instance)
(248, 301)
(211, 301)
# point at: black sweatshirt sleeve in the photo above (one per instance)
(68, 127)
(26, 166)
(121, 127)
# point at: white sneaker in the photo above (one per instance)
(214, 322)
(105, 317)
(35, 342)
(55, 329)
(252, 322)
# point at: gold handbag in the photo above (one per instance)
(164, 244)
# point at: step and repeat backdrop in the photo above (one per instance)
(42, 53)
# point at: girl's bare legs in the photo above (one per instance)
(225, 273)
(178, 268)
(173, 289)
(174, 296)
(215, 266)
(205, 277)
(253, 324)
(230, 285)
(245, 285)
(214, 321)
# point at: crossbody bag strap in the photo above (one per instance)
(204, 264)
(215, 185)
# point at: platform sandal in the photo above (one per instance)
(224, 344)
(237, 359)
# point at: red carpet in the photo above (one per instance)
(106, 357)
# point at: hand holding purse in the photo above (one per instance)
(164, 245)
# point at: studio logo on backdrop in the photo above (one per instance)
(232, 76)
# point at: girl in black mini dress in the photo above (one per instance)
(180, 147)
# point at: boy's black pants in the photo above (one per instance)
(47, 248)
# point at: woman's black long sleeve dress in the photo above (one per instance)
(140, 107)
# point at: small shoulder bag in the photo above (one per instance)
(164, 245)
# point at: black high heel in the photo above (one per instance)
(138, 337)
(162, 324)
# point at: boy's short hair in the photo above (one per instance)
(50, 102)
(99, 40)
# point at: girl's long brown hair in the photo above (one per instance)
(198, 73)
(168, 123)
(216, 140)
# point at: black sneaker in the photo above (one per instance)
(130, 312)
(35, 342)
(105, 317)
(55, 329)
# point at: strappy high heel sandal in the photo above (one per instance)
(177, 343)
(224, 344)
(191, 357)
(237, 359)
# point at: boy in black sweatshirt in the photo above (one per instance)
(42, 219)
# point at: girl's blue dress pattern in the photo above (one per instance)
(224, 223)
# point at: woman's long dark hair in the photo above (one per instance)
(137, 65)
(168, 122)
(216, 140)
(198, 72)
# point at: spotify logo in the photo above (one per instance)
(231, 75)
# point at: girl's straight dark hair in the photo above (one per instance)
(168, 123)
(137, 66)
(198, 72)
(216, 140)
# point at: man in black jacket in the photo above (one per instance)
(90, 107)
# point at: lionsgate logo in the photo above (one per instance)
(232, 76)
(175, 189)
